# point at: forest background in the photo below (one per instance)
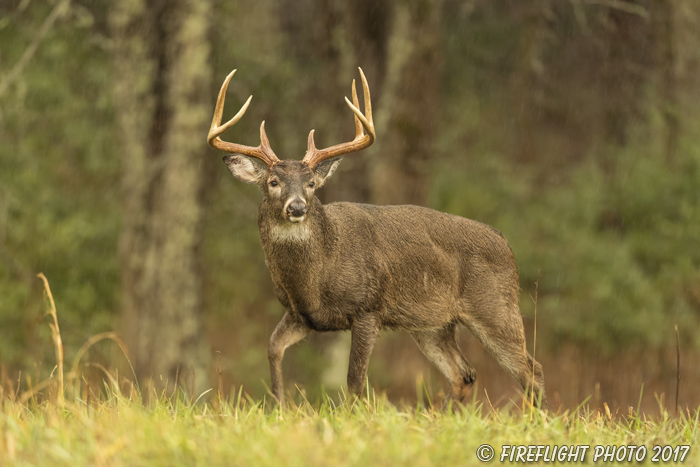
(570, 126)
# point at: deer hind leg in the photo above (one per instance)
(503, 336)
(441, 348)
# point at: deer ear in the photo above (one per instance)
(324, 170)
(246, 169)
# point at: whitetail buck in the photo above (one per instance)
(358, 267)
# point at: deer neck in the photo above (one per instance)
(294, 251)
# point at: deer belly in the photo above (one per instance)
(412, 316)
(321, 321)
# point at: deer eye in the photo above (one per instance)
(273, 183)
(311, 185)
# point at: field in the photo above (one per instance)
(171, 431)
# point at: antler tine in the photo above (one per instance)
(368, 100)
(264, 142)
(359, 130)
(216, 130)
(366, 119)
(263, 152)
(364, 130)
(310, 144)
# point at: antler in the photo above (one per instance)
(263, 152)
(364, 130)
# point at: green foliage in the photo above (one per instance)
(59, 196)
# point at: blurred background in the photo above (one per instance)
(571, 126)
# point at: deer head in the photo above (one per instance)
(288, 185)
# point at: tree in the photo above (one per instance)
(528, 79)
(161, 54)
(367, 32)
(625, 71)
(409, 112)
(328, 39)
(665, 16)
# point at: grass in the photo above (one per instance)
(175, 431)
(64, 422)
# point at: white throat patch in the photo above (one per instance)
(290, 232)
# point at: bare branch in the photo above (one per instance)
(627, 7)
(59, 10)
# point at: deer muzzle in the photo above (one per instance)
(296, 209)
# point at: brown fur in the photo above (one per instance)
(363, 268)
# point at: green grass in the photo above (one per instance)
(175, 431)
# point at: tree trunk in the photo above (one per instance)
(665, 14)
(408, 116)
(529, 77)
(367, 31)
(324, 37)
(625, 72)
(161, 57)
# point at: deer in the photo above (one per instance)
(365, 268)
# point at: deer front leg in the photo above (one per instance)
(289, 331)
(364, 334)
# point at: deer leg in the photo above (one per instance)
(503, 337)
(441, 348)
(289, 331)
(364, 334)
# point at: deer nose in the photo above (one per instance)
(297, 208)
